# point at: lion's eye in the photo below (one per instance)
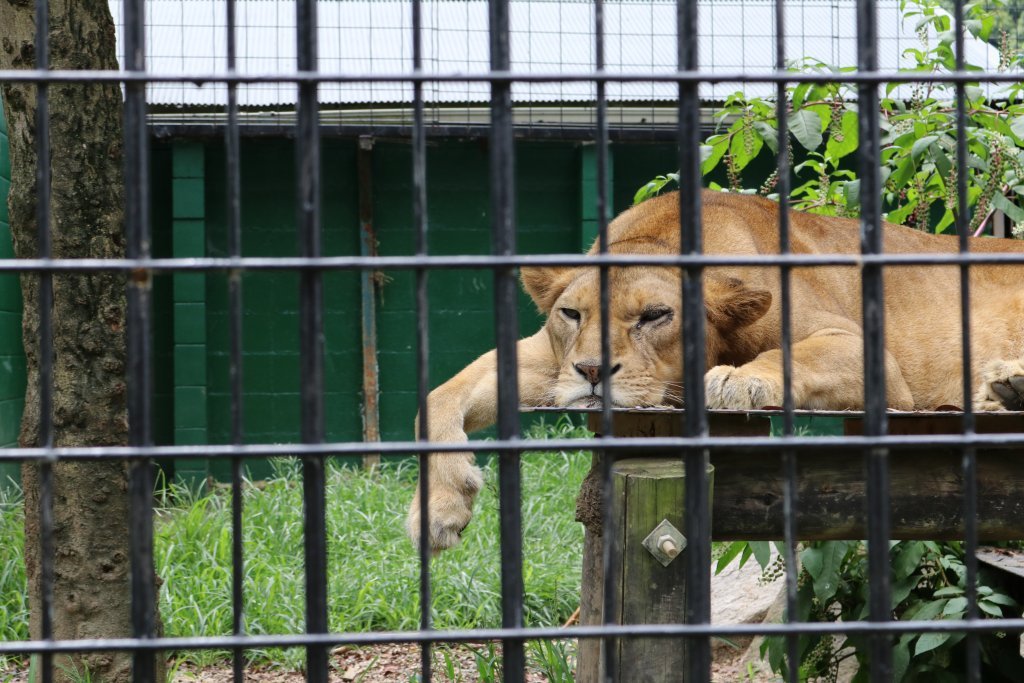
(651, 315)
(570, 313)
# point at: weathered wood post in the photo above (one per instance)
(926, 498)
(648, 499)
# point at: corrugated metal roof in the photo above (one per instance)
(374, 37)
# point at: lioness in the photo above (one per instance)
(560, 365)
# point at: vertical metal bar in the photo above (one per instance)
(503, 225)
(235, 372)
(311, 340)
(611, 550)
(878, 512)
(698, 532)
(45, 438)
(790, 498)
(419, 204)
(139, 341)
(367, 288)
(969, 460)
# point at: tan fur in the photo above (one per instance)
(922, 314)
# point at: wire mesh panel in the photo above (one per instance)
(505, 75)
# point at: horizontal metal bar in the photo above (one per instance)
(534, 633)
(299, 77)
(771, 444)
(540, 131)
(142, 267)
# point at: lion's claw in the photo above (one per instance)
(1002, 387)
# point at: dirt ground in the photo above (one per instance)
(401, 662)
(393, 663)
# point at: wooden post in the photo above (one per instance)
(646, 493)
(926, 495)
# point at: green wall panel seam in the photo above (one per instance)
(588, 193)
(189, 307)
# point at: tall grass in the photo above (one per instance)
(373, 570)
(13, 592)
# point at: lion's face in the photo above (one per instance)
(644, 330)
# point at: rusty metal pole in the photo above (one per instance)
(368, 290)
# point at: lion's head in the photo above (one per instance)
(645, 330)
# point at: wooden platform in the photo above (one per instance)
(926, 485)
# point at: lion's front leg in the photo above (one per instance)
(828, 374)
(464, 404)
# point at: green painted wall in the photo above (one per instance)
(12, 355)
(189, 217)
(550, 220)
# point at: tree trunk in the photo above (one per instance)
(91, 592)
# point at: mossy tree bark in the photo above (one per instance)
(92, 592)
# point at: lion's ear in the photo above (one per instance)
(731, 305)
(545, 284)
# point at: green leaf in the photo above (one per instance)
(929, 641)
(837, 149)
(762, 552)
(945, 222)
(904, 172)
(651, 188)
(1000, 599)
(824, 563)
(851, 191)
(901, 589)
(900, 660)
(719, 146)
(745, 555)
(1015, 213)
(769, 134)
(731, 552)
(901, 214)
(921, 145)
(1017, 126)
(806, 128)
(907, 560)
(926, 611)
(799, 93)
(948, 590)
(989, 608)
(955, 606)
(738, 149)
(942, 162)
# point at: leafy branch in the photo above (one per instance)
(918, 126)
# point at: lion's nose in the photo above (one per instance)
(592, 371)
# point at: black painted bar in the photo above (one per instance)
(139, 375)
(874, 341)
(419, 198)
(698, 535)
(45, 378)
(790, 495)
(969, 462)
(235, 365)
(311, 359)
(506, 332)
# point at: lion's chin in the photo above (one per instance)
(590, 401)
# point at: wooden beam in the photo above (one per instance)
(926, 485)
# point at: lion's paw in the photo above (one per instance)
(449, 511)
(1002, 387)
(730, 388)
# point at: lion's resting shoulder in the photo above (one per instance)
(561, 363)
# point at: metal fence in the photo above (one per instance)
(696, 444)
